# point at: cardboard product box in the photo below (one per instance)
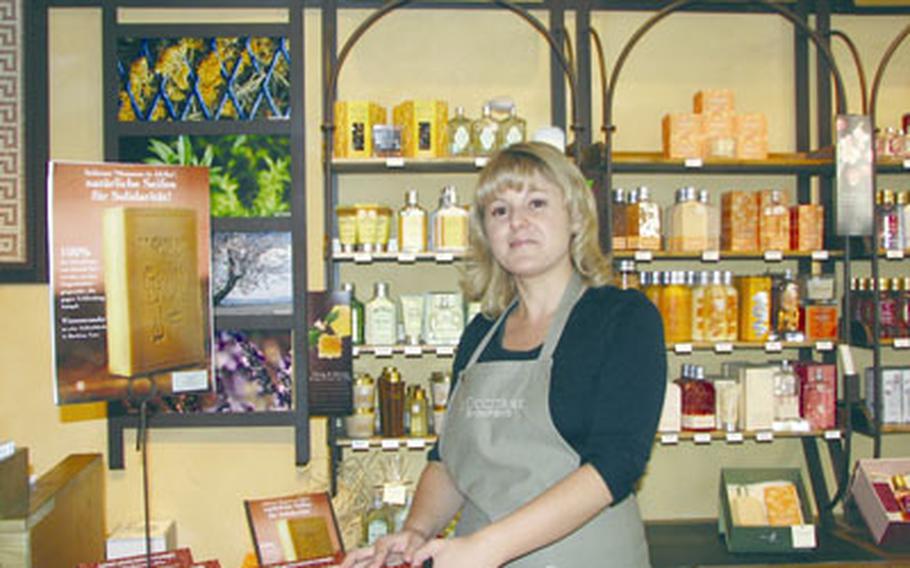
(765, 510)
(682, 135)
(717, 131)
(756, 403)
(821, 322)
(128, 539)
(354, 121)
(751, 133)
(423, 128)
(807, 227)
(818, 393)
(892, 388)
(671, 415)
(713, 100)
(739, 221)
(880, 502)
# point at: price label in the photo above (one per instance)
(413, 351)
(444, 257)
(824, 346)
(644, 256)
(693, 163)
(416, 443)
(774, 347)
(683, 348)
(382, 351)
(445, 350)
(902, 342)
(702, 438)
(832, 435)
(669, 439)
(355, 351)
(894, 254)
(360, 445)
(725, 347)
(766, 436)
(390, 444)
(407, 257)
(394, 493)
(363, 257)
(803, 536)
(710, 256)
(773, 256)
(734, 437)
(336, 246)
(481, 161)
(820, 255)
(189, 380)
(394, 162)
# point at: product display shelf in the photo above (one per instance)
(714, 256)
(397, 257)
(406, 350)
(776, 163)
(727, 347)
(408, 165)
(864, 423)
(387, 444)
(276, 127)
(738, 437)
(892, 166)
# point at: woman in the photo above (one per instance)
(558, 393)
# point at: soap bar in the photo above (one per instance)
(782, 503)
(713, 100)
(153, 296)
(682, 135)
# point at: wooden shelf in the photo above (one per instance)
(398, 257)
(407, 165)
(765, 436)
(892, 165)
(713, 256)
(406, 350)
(387, 444)
(863, 422)
(655, 162)
(722, 347)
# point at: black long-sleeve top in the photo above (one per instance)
(607, 384)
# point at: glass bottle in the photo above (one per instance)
(754, 307)
(412, 224)
(888, 310)
(512, 129)
(380, 317)
(450, 223)
(713, 213)
(786, 396)
(647, 214)
(459, 132)
(484, 133)
(419, 424)
(631, 223)
(628, 277)
(618, 219)
(905, 216)
(785, 302)
(391, 403)
(676, 307)
(357, 315)
(651, 287)
(701, 307)
(376, 520)
(688, 222)
(889, 227)
(732, 308)
(774, 223)
(698, 400)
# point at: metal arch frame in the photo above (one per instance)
(860, 71)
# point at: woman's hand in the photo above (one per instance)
(390, 550)
(460, 552)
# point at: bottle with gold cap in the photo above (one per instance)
(412, 224)
(418, 411)
(889, 228)
(391, 403)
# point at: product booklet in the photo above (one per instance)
(296, 530)
(180, 558)
(130, 280)
(330, 324)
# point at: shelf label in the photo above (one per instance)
(832, 435)
(683, 348)
(355, 351)
(824, 346)
(669, 439)
(725, 347)
(394, 162)
(734, 437)
(413, 351)
(363, 257)
(702, 438)
(710, 256)
(773, 256)
(803, 536)
(189, 380)
(390, 444)
(644, 256)
(902, 342)
(907, 164)
(382, 351)
(820, 255)
(416, 443)
(894, 254)
(766, 436)
(444, 257)
(407, 257)
(693, 163)
(481, 161)
(773, 346)
(445, 350)
(360, 445)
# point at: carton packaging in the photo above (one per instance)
(739, 221)
(354, 121)
(423, 128)
(892, 389)
(807, 224)
(713, 100)
(873, 493)
(751, 133)
(682, 135)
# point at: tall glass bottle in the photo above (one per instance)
(512, 129)
(376, 522)
(412, 224)
(774, 223)
(380, 317)
(459, 131)
(785, 308)
(631, 223)
(688, 222)
(786, 396)
(356, 315)
(485, 133)
(618, 219)
(450, 223)
(702, 308)
(889, 227)
(713, 212)
(698, 400)
(676, 307)
(731, 328)
(647, 214)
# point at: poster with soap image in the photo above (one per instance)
(130, 280)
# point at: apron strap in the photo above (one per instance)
(490, 334)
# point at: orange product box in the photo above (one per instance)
(717, 129)
(354, 122)
(713, 100)
(423, 128)
(682, 135)
(807, 223)
(751, 133)
(739, 221)
(821, 322)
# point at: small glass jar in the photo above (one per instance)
(364, 392)
(360, 424)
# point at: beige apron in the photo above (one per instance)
(502, 449)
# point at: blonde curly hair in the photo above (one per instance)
(512, 168)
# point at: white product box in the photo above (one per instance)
(128, 539)
(671, 415)
(905, 397)
(892, 394)
(756, 408)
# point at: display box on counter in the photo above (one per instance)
(879, 490)
(423, 128)
(765, 510)
(354, 121)
(682, 135)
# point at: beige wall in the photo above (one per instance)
(200, 476)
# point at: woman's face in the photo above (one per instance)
(529, 228)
